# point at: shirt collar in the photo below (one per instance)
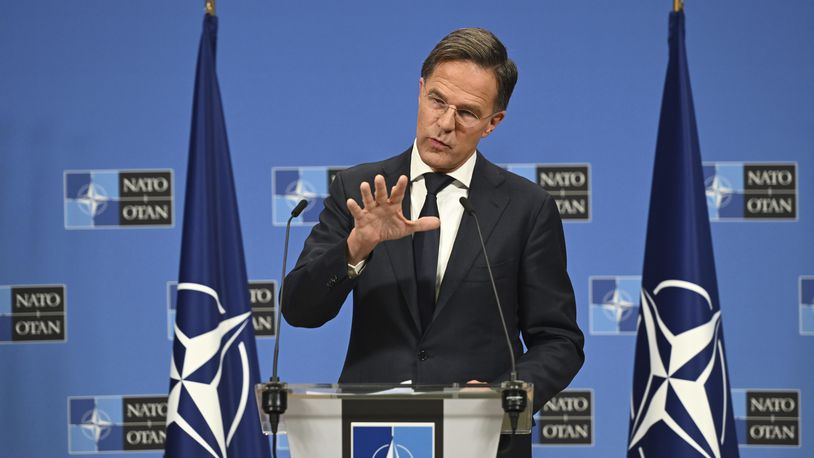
(462, 174)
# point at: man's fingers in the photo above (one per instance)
(367, 196)
(354, 208)
(425, 223)
(398, 190)
(381, 190)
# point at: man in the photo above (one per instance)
(423, 306)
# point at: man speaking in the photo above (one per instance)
(395, 234)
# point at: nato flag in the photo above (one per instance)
(211, 410)
(681, 405)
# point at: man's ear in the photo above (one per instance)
(493, 123)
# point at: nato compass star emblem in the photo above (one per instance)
(299, 190)
(191, 380)
(617, 305)
(92, 199)
(676, 390)
(394, 440)
(718, 191)
(96, 425)
(393, 450)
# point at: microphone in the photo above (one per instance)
(295, 213)
(275, 396)
(514, 397)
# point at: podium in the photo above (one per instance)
(386, 421)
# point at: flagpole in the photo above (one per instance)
(678, 5)
(210, 7)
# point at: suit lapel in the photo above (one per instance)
(400, 251)
(489, 198)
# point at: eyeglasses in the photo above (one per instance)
(464, 118)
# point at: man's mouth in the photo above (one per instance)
(438, 143)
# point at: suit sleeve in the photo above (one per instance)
(547, 309)
(316, 288)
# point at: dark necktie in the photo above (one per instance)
(425, 249)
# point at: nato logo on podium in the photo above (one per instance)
(393, 440)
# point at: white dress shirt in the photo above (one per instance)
(450, 210)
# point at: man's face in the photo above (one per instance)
(442, 142)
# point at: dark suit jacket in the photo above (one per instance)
(464, 341)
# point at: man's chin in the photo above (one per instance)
(434, 158)
(438, 161)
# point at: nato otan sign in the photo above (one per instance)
(113, 199)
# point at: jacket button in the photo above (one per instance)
(423, 355)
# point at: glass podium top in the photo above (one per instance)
(314, 392)
(390, 391)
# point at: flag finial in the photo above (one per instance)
(678, 5)
(210, 7)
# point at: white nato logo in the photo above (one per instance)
(404, 440)
(92, 199)
(96, 425)
(664, 365)
(298, 190)
(617, 305)
(200, 350)
(718, 190)
(392, 450)
(613, 307)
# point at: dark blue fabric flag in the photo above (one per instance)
(681, 405)
(211, 410)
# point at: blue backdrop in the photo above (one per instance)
(99, 92)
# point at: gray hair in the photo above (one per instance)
(481, 47)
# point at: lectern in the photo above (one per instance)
(386, 421)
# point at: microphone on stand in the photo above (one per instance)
(275, 396)
(513, 394)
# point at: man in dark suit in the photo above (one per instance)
(423, 306)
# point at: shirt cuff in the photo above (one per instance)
(355, 270)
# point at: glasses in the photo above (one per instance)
(464, 118)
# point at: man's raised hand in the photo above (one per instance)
(381, 218)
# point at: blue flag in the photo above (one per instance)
(681, 405)
(211, 410)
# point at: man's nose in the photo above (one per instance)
(447, 119)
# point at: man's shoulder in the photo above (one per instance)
(514, 184)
